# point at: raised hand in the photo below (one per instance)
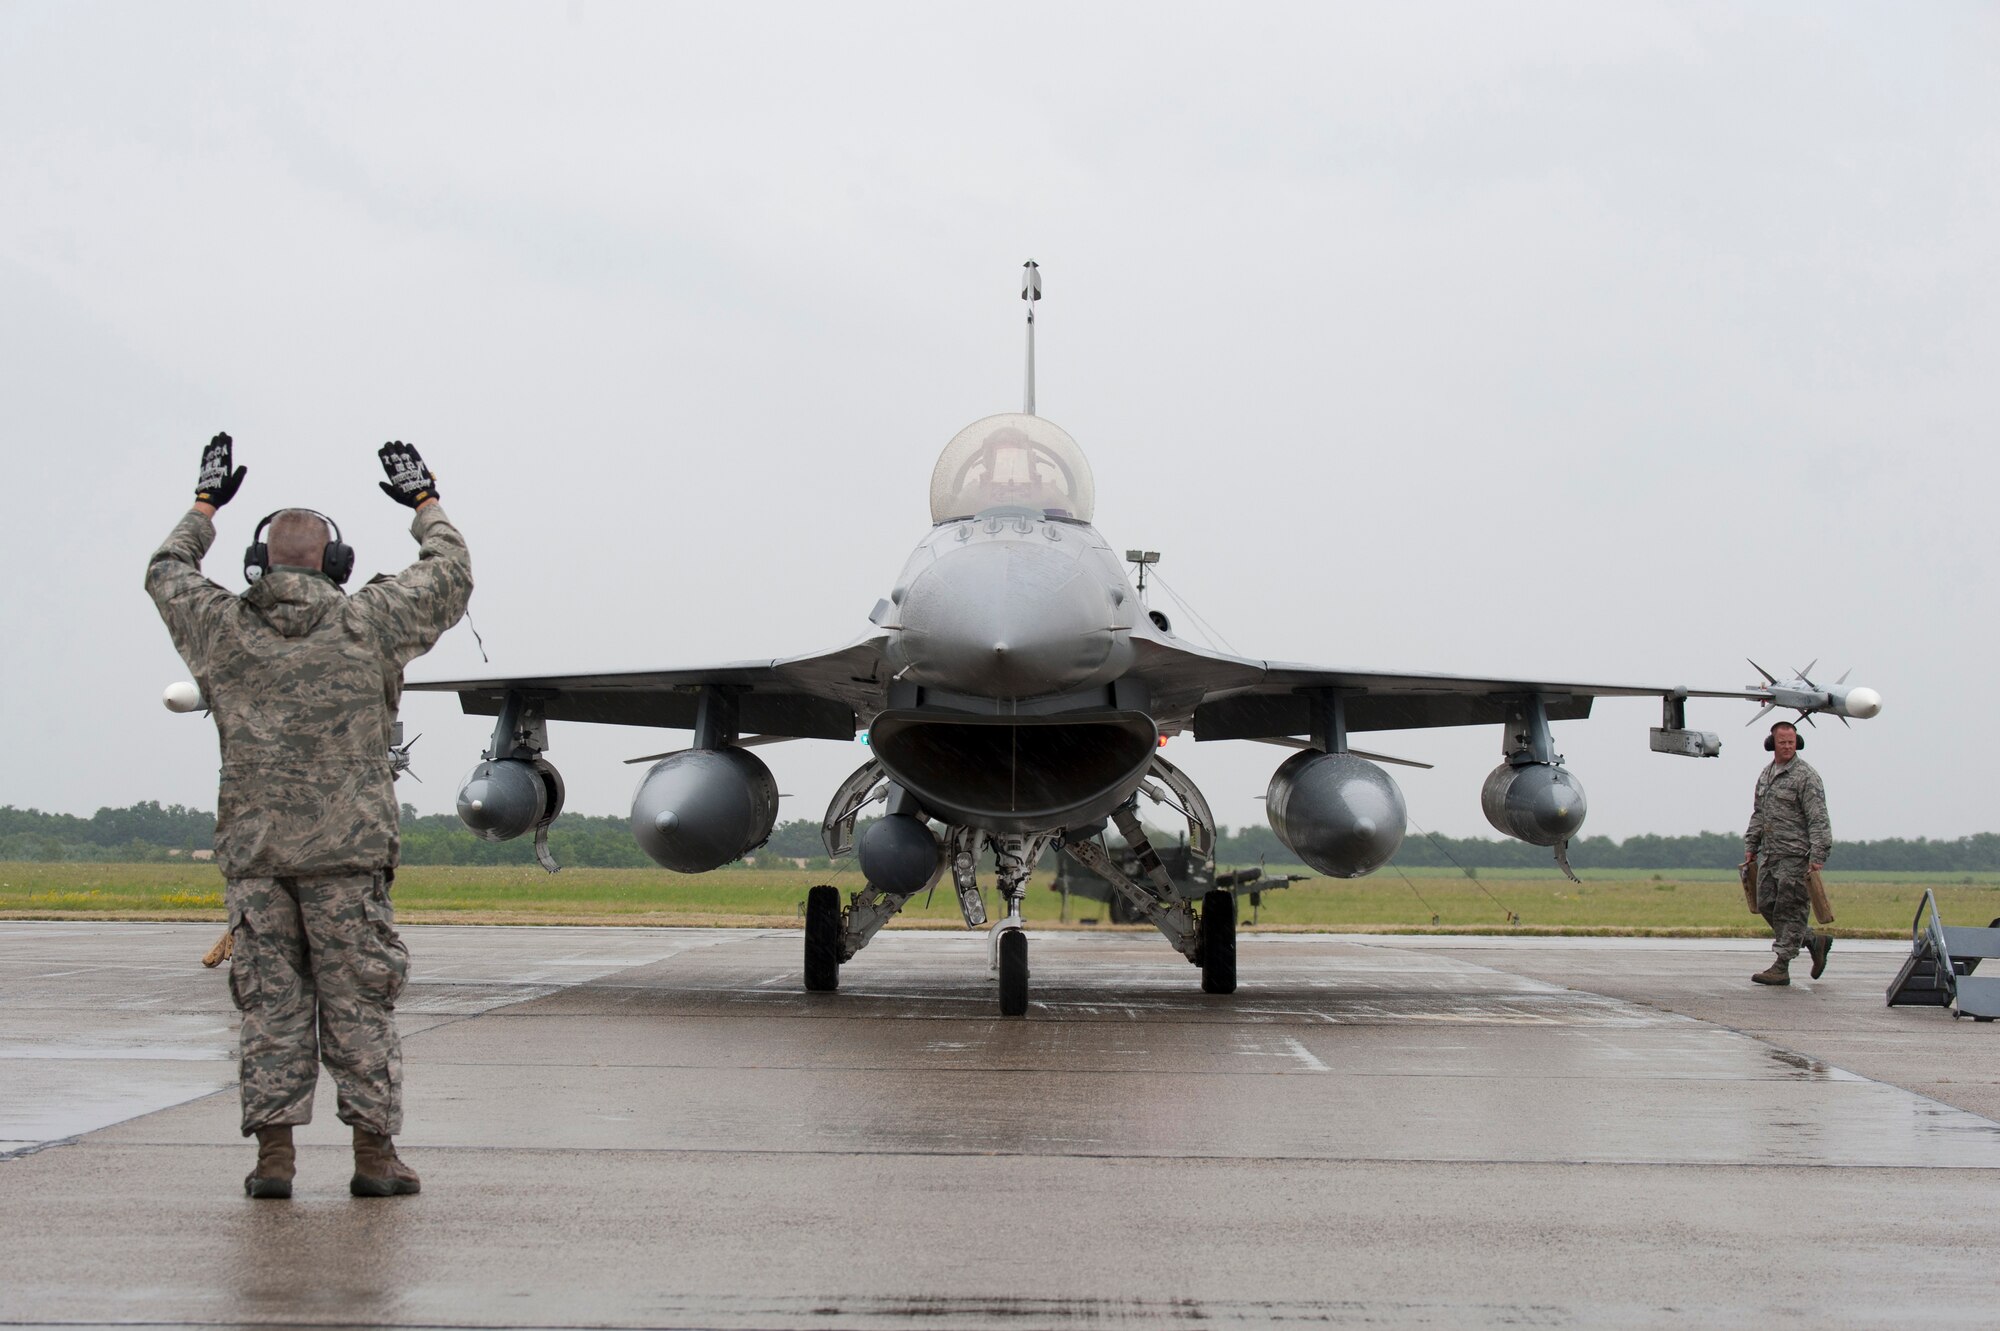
(410, 482)
(218, 482)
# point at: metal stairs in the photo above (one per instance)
(1939, 970)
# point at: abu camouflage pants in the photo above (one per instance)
(1785, 903)
(316, 972)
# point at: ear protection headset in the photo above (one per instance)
(1771, 740)
(336, 561)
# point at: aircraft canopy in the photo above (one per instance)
(1012, 461)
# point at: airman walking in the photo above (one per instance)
(1789, 838)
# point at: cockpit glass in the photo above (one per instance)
(1012, 461)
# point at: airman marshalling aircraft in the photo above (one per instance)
(1015, 691)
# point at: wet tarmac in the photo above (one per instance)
(657, 1127)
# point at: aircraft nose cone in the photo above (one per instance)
(1008, 619)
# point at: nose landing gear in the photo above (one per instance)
(1013, 972)
(1014, 858)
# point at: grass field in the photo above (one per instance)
(1683, 902)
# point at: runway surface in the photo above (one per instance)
(623, 1127)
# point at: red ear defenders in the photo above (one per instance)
(336, 561)
(1771, 742)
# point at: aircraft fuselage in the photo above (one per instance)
(1011, 604)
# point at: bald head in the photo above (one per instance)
(298, 538)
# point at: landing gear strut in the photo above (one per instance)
(1014, 857)
(823, 939)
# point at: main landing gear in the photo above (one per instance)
(1218, 942)
(823, 939)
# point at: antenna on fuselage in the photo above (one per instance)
(1031, 291)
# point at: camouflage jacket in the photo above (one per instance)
(304, 681)
(1789, 817)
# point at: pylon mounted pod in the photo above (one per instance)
(502, 800)
(1673, 736)
(514, 790)
(1339, 813)
(1531, 796)
(699, 809)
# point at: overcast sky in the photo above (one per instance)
(1597, 342)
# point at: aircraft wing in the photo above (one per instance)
(1233, 697)
(801, 697)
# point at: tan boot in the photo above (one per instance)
(1780, 973)
(378, 1171)
(275, 1158)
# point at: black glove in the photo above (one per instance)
(410, 482)
(218, 483)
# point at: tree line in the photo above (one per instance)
(152, 831)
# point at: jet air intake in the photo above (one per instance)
(1015, 774)
(699, 809)
(1342, 815)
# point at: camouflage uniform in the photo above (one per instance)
(1788, 834)
(304, 682)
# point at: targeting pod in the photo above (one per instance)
(899, 854)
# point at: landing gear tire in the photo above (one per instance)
(1218, 942)
(822, 940)
(1013, 973)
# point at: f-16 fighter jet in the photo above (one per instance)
(1015, 690)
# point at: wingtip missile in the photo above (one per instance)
(1806, 698)
(184, 696)
(1861, 702)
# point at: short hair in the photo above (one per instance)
(1786, 724)
(299, 538)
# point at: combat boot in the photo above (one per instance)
(1819, 945)
(378, 1171)
(1780, 973)
(275, 1158)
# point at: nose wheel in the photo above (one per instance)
(1013, 973)
(823, 939)
(1218, 942)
